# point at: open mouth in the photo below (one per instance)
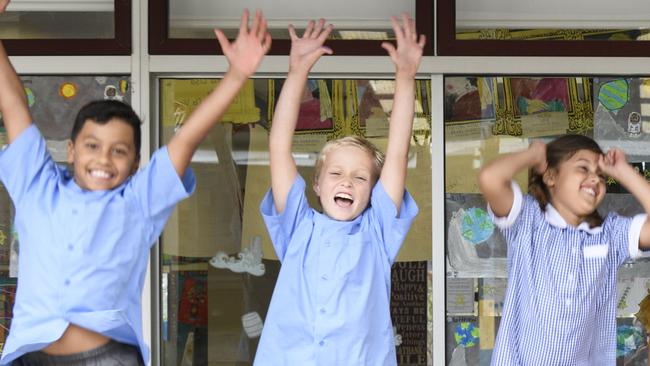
(343, 200)
(588, 190)
(100, 174)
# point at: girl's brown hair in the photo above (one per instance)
(558, 151)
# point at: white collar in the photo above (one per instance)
(554, 218)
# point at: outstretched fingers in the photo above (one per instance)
(243, 24)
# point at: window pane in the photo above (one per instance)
(552, 20)
(218, 266)
(48, 19)
(489, 116)
(365, 19)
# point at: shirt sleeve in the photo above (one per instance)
(624, 235)
(158, 189)
(393, 226)
(281, 226)
(26, 163)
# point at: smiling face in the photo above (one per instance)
(345, 181)
(103, 155)
(577, 187)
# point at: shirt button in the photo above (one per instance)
(74, 211)
(66, 282)
(574, 251)
(70, 247)
(321, 343)
(567, 302)
(322, 311)
(570, 277)
(327, 243)
(324, 277)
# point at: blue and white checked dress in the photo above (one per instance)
(560, 304)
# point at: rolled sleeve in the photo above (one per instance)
(281, 226)
(394, 226)
(24, 162)
(633, 237)
(159, 188)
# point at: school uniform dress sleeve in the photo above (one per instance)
(158, 189)
(624, 233)
(25, 163)
(523, 213)
(393, 226)
(281, 226)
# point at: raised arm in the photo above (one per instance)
(13, 103)
(305, 51)
(495, 177)
(406, 58)
(244, 56)
(614, 164)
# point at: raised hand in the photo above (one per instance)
(3, 5)
(613, 163)
(247, 51)
(538, 150)
(306, 50)
(408, 53)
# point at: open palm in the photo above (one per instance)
(306, 50)
(247, 51)
(408, 53)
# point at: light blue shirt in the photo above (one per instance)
(560, 304)
(331, 303)
(83, 254)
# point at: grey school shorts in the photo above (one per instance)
(111, 354)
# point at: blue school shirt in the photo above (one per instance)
(560, 304)
(83, 254)
(331, 303)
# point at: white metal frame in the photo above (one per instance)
(144, 69)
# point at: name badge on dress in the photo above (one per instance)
(595, 251)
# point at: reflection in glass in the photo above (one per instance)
(218, 266)
(552, 20)
(69, 24)
(489, 116)
(362, 20)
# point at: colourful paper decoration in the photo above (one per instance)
(476, 225)
(614, 95)
(466, 334)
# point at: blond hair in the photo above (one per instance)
(354, 141)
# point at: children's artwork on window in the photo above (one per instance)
(193, 308)
(537, 107)
(476, 226)
(408, 307)
(182, 96)
(469, 98)
(466, 334)
(54, 100)
(474, 247)
(622, 115)
(469, 107)
(248, 260)
(628, 340)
